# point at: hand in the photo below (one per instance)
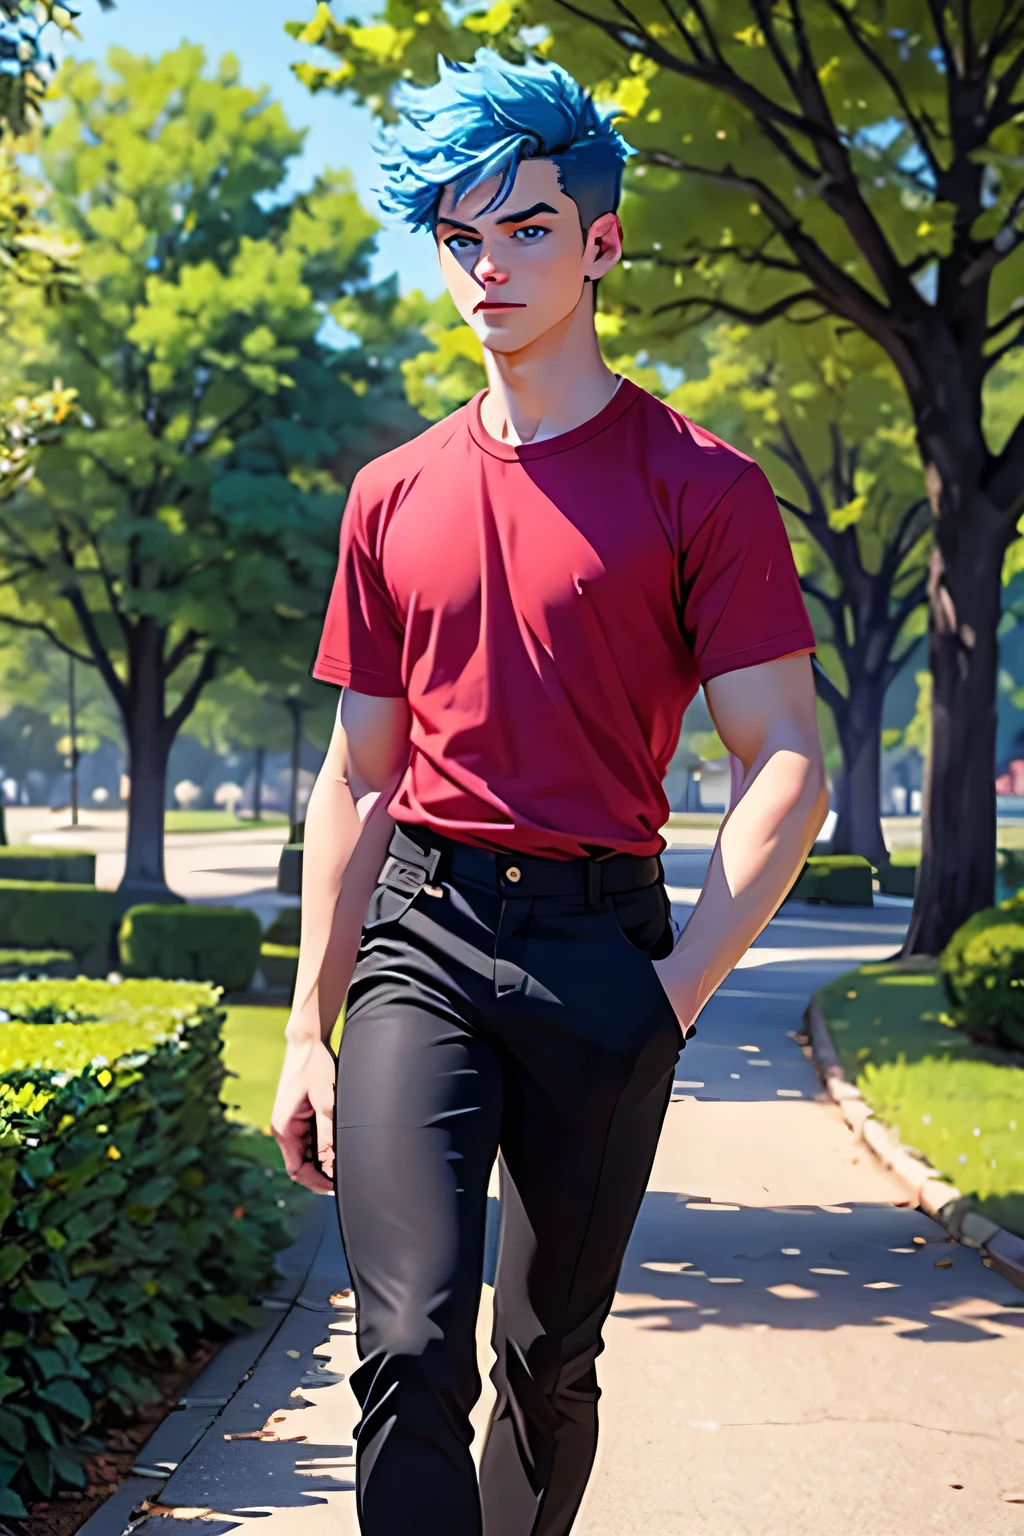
(682, 988)
(302, 1119)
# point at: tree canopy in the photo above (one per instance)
(850, 161)
(186, 513)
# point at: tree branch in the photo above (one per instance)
(827, 690)
(877, 63)
(42, 628)
(187, 703)
(750, 316)
(182, 651)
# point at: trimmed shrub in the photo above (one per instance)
(55, 915)
(840, 879)
(285, 927)
(982, 971)
(218, 944)
(65, 866)
(289, 870)
(133, 1215)
(15, 963)
(279, 964)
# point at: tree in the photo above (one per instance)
(855, 159)
(825, 417)
(188, 515)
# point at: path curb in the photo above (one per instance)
(1000, 1250)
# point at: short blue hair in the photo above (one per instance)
(481, 120)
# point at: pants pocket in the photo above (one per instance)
(644, 919)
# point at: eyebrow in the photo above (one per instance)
(510, 218)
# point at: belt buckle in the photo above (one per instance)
(400, 876)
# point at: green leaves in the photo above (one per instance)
(85, 1320)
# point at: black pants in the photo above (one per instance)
(480, 1017)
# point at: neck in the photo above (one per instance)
(556, 383)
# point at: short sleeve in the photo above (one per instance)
(741, 598)
(362, 640)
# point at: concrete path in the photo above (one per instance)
(782, 1357)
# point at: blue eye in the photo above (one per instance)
(531, 232)
(459, 243)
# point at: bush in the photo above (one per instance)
(66, 866)
(133, 1215)
(55, 915)
(218, 944)
(279, 963)
(982, 971)
(289, 870)
(16, 963)
(285, 927)
(842, 879)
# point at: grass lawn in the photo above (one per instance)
(694, 819)
(253, 1048)
(960, 1104)
(219, 821)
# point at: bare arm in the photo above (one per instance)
(765, 715)
(345, 844)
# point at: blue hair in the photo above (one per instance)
(481, 120)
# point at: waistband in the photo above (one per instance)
(419, 857)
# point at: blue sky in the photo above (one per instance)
(339, 132)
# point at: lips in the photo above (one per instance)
(486, 304)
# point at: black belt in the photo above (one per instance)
(418, 857)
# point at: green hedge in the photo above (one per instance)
(24, 963)
(218, 944)
(54, 915)
(842, 879)
(289, 870)
(68, 866)
(133, 1216)
(279, 964)
(285, 927)
(982, 970)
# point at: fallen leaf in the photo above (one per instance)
(176, 1511)
(792, 1292)
(293, 1354)
(943, 1263)
(919, 1242)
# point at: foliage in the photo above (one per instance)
(982, 970)
(188, 516)
(41, 914)
(854, 162)
(959, 1103)
(33, 964)
(279, 964)
(284, 927)
(69, 866)
(217, 944)
(134, 1216)
(836, 879)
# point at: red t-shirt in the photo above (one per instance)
(549, 611)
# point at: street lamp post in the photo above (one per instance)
(72, 722)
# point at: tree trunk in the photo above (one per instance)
(149, 747)
(859, 799)
(958, 827)
(257, 784)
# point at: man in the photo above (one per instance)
(528, 596)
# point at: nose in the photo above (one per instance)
(486, 271)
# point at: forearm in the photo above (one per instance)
(762, 845)
(345, 845)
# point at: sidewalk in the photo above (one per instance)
(782, 1358)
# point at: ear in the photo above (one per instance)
(604, 246)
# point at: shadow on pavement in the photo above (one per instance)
(802, 1267)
